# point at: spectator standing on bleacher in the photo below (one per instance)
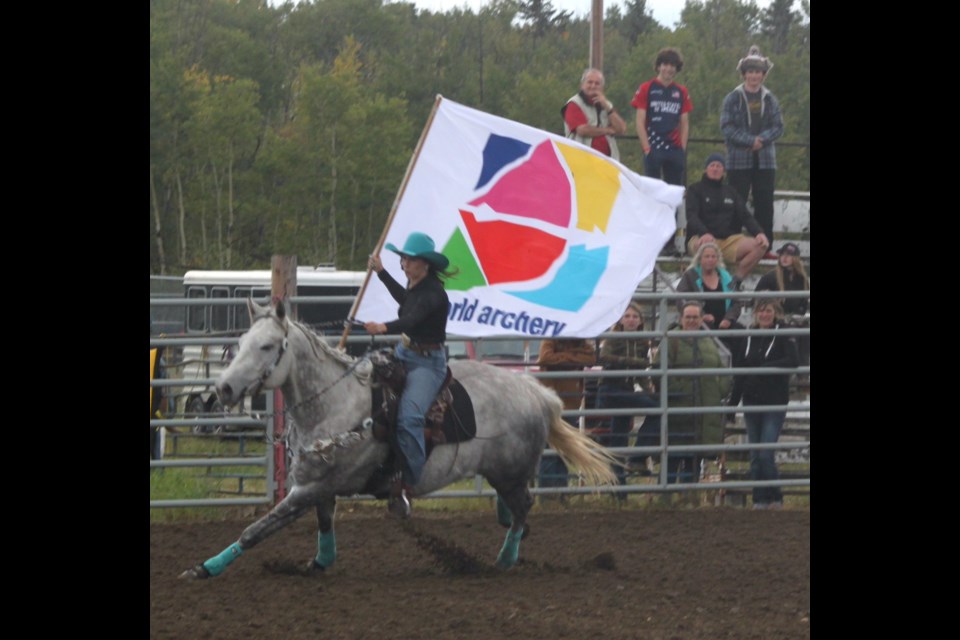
(750, 121)
(663, 122)
(591, 119)
(717, 213)
(564, 355)
(627, 392)
(707, 273)
(764, 389)
(693, 352)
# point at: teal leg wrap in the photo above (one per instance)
(326, 549)
(218, 563)
(504, 517)
(510, 550)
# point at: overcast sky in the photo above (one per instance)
(666, 12)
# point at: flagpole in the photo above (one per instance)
(393, 212)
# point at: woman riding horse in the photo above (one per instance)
(422, 319)
(335, 453)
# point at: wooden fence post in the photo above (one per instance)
(283, 285)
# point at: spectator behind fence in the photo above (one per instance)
(591, 119)
(790, 275)
(693, 352)
(707, 273)
(663, 123)
(717, 213)
(750, 121)
(627, 392)
(764, 389)
(563, 355)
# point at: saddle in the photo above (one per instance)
(449, 419)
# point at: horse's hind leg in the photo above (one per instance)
(505, 517)
(326, 540)
(518, 501)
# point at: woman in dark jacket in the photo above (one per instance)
(627, 392)
(788, 275)
(422, 320)
(764, 389)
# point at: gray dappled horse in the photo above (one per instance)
(328, 395)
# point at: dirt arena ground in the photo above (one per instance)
(707, 573)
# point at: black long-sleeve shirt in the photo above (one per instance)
(423, 309)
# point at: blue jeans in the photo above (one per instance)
(615, 397)
(764, 427)
(670, 163)
(425, 375)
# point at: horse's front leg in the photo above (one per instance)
(289, 509)
(326, 540)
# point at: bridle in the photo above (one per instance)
(284, 345)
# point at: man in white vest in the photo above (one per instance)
(591, 119)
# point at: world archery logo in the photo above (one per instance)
(537, 227)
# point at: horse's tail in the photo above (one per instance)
(580, 452)
(577, 449)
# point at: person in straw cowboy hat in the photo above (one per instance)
(750, 121)
(422, 320)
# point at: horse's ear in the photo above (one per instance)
(281, 310)
(254, 309)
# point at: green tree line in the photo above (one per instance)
(288, 129)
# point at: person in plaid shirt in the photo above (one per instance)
(750, 121)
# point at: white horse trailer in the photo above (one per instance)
(206, 361)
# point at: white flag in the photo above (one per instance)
(550, 238)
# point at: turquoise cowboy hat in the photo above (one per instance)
(420, 245)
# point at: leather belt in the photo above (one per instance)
(420, 347)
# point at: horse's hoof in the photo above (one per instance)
(198, 572)
(315, 567)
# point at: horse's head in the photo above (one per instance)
(263, 359)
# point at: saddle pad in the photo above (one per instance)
(459, 422)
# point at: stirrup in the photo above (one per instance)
(399, 505)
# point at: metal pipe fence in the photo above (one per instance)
(259, 425)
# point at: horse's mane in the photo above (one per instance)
(362, 372)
